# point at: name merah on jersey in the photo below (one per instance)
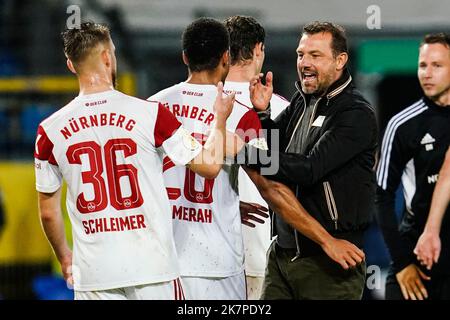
(192, 214)
(111, 119)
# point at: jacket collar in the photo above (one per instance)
(337, 87)
(431, 104)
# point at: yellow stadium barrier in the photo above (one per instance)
(23, 240)
(58, 84)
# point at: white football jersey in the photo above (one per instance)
(207, 224)
(104, 146)
(258, 239)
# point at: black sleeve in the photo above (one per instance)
(352, 132)
(394, 156)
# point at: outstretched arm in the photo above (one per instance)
(210, 160)
(428, 247)
(283, 202)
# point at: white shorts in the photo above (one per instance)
(169, 290)
(228, 288)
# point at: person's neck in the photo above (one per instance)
(241, 72)
(443, 100)
(94, 83)
(204, 77)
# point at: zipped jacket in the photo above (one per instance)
(412, 153)
(331, 166)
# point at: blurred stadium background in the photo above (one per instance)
(34, 82)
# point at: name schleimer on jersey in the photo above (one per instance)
(112, 224)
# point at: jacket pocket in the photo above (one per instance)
(331, 203)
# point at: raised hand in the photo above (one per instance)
(223, 104)
(260, 94)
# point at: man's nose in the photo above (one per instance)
(305, 62)
(428, 72)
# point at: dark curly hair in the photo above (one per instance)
(204, 42)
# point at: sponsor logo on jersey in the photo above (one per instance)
(95, 103)
(238, 93)
(428, 141)
(193, 93)
(427, 138)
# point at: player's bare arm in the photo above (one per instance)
(428, 246)
(52, 222)
(282, 201)
(209, 162)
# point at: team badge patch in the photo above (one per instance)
(189, 141)
(259, 143)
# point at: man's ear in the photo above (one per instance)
(341, 60)
(185, 59)
(70, 66)
(106, 57)
(258, 50)
(226, 58)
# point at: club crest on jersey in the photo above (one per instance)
(127, 203)
(91, 206)
(428, 141)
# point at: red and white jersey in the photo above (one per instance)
(207, 224)
(258, 239)
(105, 146)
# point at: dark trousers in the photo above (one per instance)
(438, 287)
(310, 278)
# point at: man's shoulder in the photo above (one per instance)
(409, 116)
(167, 92)
(56, 116)
(355, 99)
(242, 112)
